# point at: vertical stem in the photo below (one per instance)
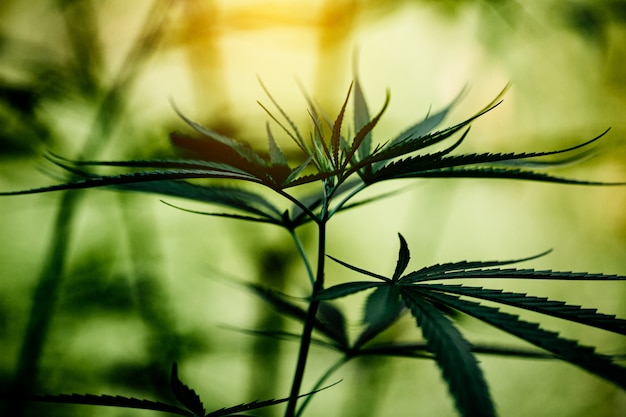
(309, 324)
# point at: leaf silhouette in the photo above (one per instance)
(185, 395)
(541, 305)
(111, 401)
(568, 350)
(454, 357)
(403, 259)
(382, 308)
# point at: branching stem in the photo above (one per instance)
(307, 331)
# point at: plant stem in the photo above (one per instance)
(309, 324)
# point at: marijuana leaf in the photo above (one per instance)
(185, 395)
(454, 356)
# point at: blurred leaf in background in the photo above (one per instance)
(104, 292)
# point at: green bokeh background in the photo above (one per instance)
(133, 285)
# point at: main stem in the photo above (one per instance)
(309, 323)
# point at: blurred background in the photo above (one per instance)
(101, 291)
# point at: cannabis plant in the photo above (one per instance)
(333, 165)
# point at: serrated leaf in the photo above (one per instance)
(243, 150)
(500, 173)
(390, 151)
(360, 270)
(382, 308)
(336, 131)
(568, 350)
(363, 133)
(295, 135)
(280, 303)
(513, 273)
(413, 166)
(232, 197)
(429, 123)
(361, 118)
(347, 288)
(175, 163)
(403, 259)
(441, 270)
(277, 157)
(454, 357)
(334, 321)
(111, 401)
(421, 350)
(185, 395)
(254, 405)
(134, 177)
(541, 305)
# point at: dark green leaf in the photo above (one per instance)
(568, 350)
(428, 124)
(334, 322)
(441, 270)
(232, 197)
(336, 133)
(363, 133)
(541, 305)
(454, 357)
(254, 405)
(421, 350)
(499, 173)
(277, 157)
(342, 290)
(362, 271)
(403, 259)
(244, 150)
(111, 401)
(283, 306)
(185, 395)
(382, 308)
(135, 177)
(361, 118)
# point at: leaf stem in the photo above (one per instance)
(305, 259)
(309, 324)
(342, 361)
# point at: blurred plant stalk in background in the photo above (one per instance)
(91, 80)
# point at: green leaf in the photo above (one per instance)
(361, 118)
(360, 270)
(232, 197)
(281, 304)
(345, 289)
(277, 157)
(382, 308)
(441, 271)
(294, 133)
(454, 357)
(413, 144)
(414, 166)
(421, 350)
(403, 259)
(513, 273)
(568, 350)
(428, 124)
(541, 305)
(363, 133)
(185, 395)
(334, 322)
(254, 405)
(133, 178)
(336, 132)
(499, 173)
(244, 150)
(111, 401)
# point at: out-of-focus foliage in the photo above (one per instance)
(108, 296)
